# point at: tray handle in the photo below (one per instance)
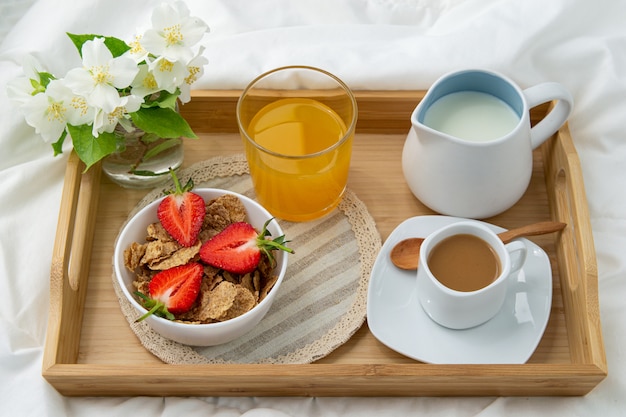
(576, 251)
(70, 258)
(70, 262)
(65, 230)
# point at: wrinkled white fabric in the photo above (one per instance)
(370, 44)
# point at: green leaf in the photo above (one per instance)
(163, 122)
(143, 173)
(167, 100)
(40, 85)
(89, 148)
(166, 144)
(116, 46)
(45, 78)
(149, 138)
(37, 87)
(164, 100)
(58, 145)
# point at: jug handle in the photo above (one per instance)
(553, 121)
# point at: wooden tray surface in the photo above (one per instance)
(91, 351)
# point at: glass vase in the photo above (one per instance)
(142, 160)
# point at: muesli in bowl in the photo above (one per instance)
(200, 266)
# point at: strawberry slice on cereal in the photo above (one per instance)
(182, 212)
(173, 291)
(238, 248)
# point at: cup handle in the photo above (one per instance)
(517, 252)
(543, 93)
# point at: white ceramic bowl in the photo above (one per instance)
(197, 334)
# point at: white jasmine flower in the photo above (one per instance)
(106, 121)
(137, 52)
(22, 89)
(101, 75)
(51, 111)
(169, 75)
(32, 66)
(145, 83)
(173, 32)
(195, 69)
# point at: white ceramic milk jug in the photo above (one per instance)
(469, 151)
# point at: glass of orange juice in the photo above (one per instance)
(297, 124)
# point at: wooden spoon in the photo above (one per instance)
(405, 254)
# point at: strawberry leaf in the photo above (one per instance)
(268, 245)
(154, 307)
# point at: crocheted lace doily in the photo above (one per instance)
(322, 300)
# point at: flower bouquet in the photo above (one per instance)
(120, 88)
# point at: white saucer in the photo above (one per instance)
(396, 318)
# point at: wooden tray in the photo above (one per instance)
(90, 349)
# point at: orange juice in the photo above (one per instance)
(300, 158)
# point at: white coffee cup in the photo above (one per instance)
(464, 309)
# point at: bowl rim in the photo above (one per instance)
(119, 251)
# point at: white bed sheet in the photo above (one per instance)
(371, 44)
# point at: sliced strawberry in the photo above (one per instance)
(173, 291)
(182, 212)
(237, 248)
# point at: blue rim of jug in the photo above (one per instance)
(479, 80)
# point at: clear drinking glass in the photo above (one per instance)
(297, 124)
